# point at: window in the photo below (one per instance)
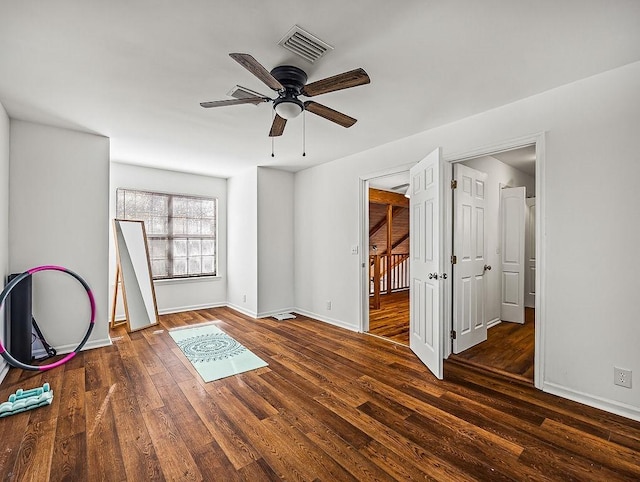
(181, 231)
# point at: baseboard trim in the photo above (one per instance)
(180, 309)
(494, 322)
(267, 314)
(325, 319)
(64, 349)
(607, 405)
(244, 311)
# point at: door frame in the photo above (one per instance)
(537, 139)
(363, 239)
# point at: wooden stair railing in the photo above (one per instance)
(393, 270)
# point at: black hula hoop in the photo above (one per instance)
(3, 296)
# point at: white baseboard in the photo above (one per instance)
(267, 314)
(242, 310)
(180, 309)
(325, 319)
(607, 405)
(63, 350)
(494, 322)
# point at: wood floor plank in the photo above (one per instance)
(70, 455)
(11, 433)
(539, 443)
(140, 460)
(399, 468)
(236, 447)
(193, 430)
(33, 461)
(298, 399)
(71, 410)
(213, 464)
(359, 466)
(607, 454)
(177, 462)
(390, 438)
(104, 456)
(145, 391)
(391, 320)
(258, 470)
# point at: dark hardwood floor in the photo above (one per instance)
(332, 405)
(391, 320)
(509, 349)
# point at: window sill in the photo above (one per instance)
(199, 279)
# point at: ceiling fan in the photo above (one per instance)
(291, 82)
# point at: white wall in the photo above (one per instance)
(59, 192)
(242, 241)
(176, 295)
(275, 241)
(592, 167)
(497, 173)
(4, 217)
(326, 226)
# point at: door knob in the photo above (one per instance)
(487, 267)
(433, 275)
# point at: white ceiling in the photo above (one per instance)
(523, 159)
(135, 71)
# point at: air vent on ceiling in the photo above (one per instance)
(302, 43)
(240, 92)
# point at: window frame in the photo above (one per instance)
(170, 236)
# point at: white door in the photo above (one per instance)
(425, 324)
(469, 320)
(530, 254)
(512, 210)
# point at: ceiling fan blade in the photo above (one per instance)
(253, 66)
(353, 78)
(277, 128)
(329, 114)
(222, 103)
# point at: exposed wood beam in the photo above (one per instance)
(400, 241)
(383, 221)
(385, 197)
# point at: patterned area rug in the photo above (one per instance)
(213, 353)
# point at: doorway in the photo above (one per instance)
(493, 273)
(436, 169)
(388, 257)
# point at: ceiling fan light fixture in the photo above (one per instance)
(288, 108)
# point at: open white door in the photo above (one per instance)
(530, 253)
(425, 325)
(512, 211)
(469, 199)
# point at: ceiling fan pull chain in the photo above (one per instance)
(304, 133)
(273, 116)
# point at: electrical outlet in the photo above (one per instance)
(622, 377)
(354, 249)
(244, 298)
(328, 305)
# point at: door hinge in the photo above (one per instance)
(454, 259)
(453, 334)
(454, 184)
